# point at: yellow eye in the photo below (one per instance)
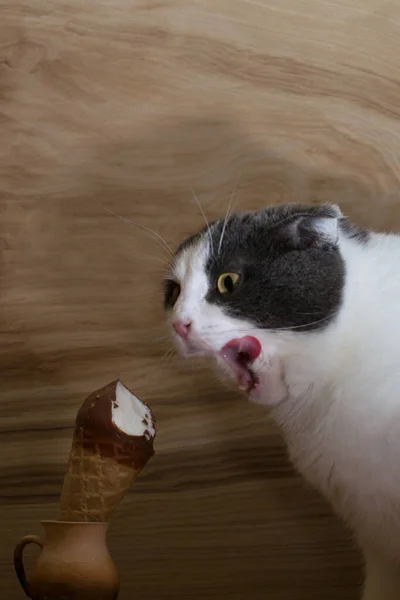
(227, 282)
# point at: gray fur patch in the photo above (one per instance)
(291, 271)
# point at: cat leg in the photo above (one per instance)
(382, 578)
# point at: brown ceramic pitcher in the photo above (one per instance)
(74, 563)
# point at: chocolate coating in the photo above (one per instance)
(98, 433)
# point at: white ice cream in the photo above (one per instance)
(129, 413)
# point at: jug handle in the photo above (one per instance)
(19, 560)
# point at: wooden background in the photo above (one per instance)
(126, 105)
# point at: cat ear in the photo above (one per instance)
(310, 229)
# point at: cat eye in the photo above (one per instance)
(172, 291)
(227, 283)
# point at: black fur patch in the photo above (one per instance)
(292, 275)
(188, 242)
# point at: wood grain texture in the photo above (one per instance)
(126, 106)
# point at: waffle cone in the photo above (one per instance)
(103, 462)
(96, 481)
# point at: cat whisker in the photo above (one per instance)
(224, 225)
(250, 329)
(290, 328)
(169, 355)
(154, 257)
(161, 338)
(154, 235)
(162, 344)
(205, 219)
(228, 213)
(166, 262)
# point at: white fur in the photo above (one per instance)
(210, 328)
(338, 403)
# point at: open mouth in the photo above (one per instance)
(239, 354)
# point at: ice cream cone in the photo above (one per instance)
(112, 442)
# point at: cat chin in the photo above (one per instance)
(271, 388)
(269, 391)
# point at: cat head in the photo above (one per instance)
(235, 286)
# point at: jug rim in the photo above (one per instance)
(84, 523)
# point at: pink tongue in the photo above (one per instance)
(248, 346)
(238, 353)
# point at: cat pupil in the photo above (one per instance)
(229, 283)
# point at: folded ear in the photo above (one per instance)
(316, 228)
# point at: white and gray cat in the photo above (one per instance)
(302, 308)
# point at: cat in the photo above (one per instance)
(302, 308)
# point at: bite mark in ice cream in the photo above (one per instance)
(131, 415)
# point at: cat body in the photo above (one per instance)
(303, 308)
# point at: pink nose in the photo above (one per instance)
(182, 329)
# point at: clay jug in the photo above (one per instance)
(74, 563)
